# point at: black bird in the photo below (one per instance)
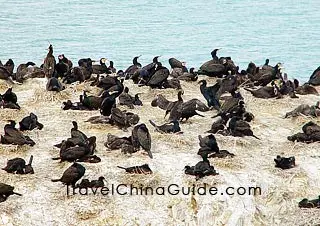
(168, 104)
(239, 128)
(126, 99)
(189, 76)
(201, 169)
(210, 93)
(265, 91)
(5, 75)
(73, 153)
(171, 127)
(101, 68)
(209, 142)
(9, 65)
(137, 101)
(285, 163)
(92, 102)
(29, 168)
(174, 63)
(159, 77)
(49, 63)
(77, 136)
(10, 96)
(115, 142)
(22, 70)
(304, 89)
(143, 169)
(213, 67)
(123, 119)
(133, 68)
(305, 203)
(161, 102)
(30, 122)
(14, 136)
(315, 77)
(85, 183)
(5, 191)
(187, 110)
(16, 165)
(141, 137)
(97, 183)
(62, 67)
(111, 68)
(108, 103)
(72, 175)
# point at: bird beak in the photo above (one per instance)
(150, 154)
(139, 56)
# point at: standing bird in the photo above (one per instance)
(141, 137)
(133, 68)
(210, 94)
(72, 175)
(101, 68)
(49, 63)
(9, 65)
(108, 103)
(111, 68)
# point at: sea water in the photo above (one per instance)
(247, 30)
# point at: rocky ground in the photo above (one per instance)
(46, 203)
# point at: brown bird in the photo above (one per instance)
(141, 137)
(143, 169)
(49, 63)
(72, 175)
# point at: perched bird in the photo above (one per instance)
(143, 169)
(141, 138)
(72, 175)
(49, 63)
(210, 94)
(133, 68)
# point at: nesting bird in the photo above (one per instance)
(30, 122)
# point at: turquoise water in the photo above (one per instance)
(283, 31)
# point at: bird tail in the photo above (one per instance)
(30, 160)
(122, 167)
(256, 137)
(57, 158)
(16, 193)
(152, 123)
(55, 180)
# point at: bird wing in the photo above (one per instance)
(144, 139)
(161, 102)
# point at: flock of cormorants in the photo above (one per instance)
(230, 119)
